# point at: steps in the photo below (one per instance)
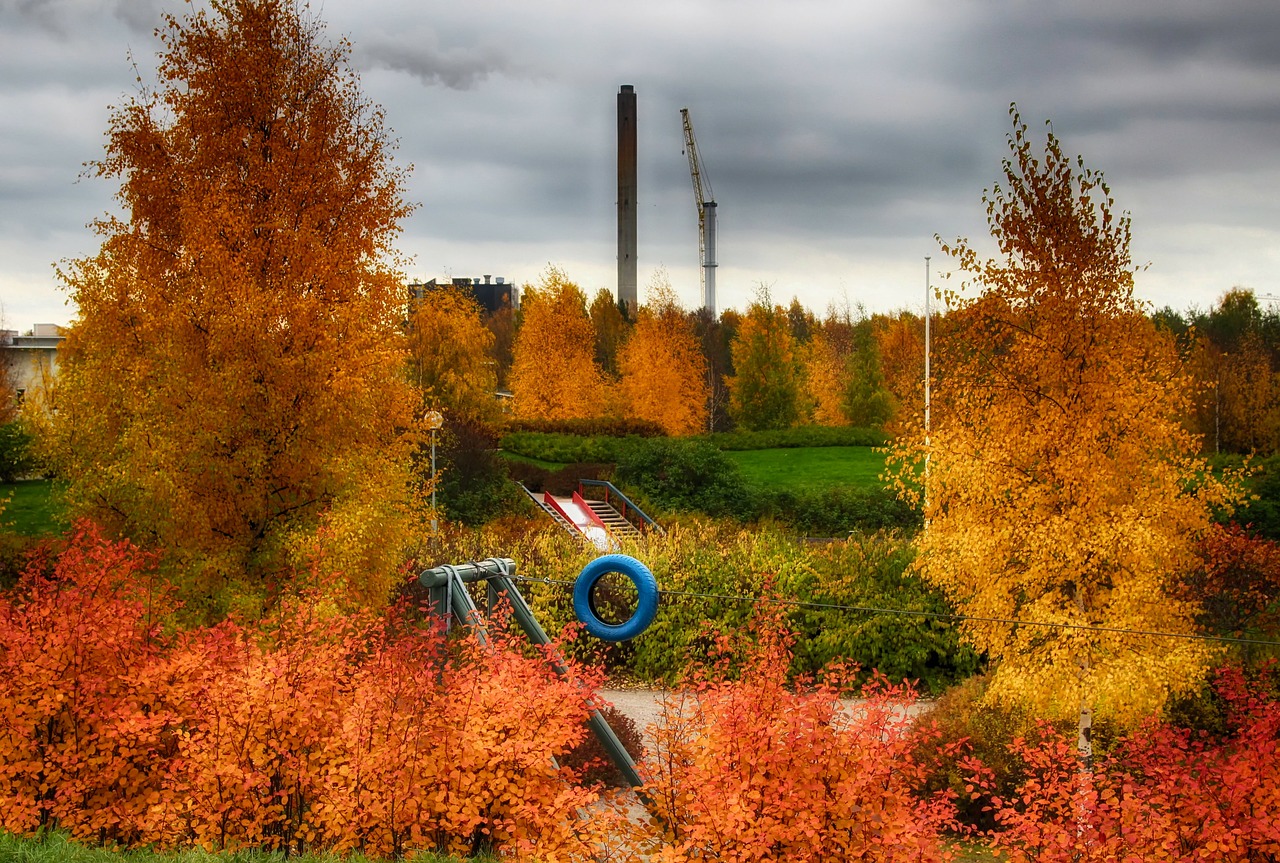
(617, 526)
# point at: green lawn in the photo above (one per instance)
(546, 465)
(810, 467)
(57, 848)
(32, 509)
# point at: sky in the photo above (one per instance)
(839, 137)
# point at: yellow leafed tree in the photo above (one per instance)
(664, 373)
(233, 391)
(1061, 488)
(826, 379)
(450, 354)
(553, 368)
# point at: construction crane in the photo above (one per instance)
(706, 204)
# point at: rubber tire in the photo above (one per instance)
(646, 598)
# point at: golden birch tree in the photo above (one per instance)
(450, 355)
(553, 369)
(664, 373)
(1061, 488)
(233, 391)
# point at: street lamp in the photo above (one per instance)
(433, 420)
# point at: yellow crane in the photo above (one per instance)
(705, 202)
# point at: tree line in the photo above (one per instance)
(562, 355)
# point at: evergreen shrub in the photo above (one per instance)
(798, 436)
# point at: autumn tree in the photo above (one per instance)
(900, 346)
(716, 335)
(664, 375)
(612, 329)
(843, 375)
(1061, 488)
(450, 354)
(502, 324)
(553, 371)
(233, 390)
(765, 391)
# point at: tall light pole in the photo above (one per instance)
(433, 420)
(927, 452)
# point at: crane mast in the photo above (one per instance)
(704, 200)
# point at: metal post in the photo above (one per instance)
(927, 453)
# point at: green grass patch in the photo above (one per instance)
(524, 459)
(33, 508)
(799, 436)
(57, 848)
(807, 468)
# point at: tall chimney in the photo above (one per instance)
(627, 198)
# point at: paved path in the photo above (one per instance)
(643, 708)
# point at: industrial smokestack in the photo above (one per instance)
(627, 198)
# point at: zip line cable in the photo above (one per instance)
(934, 615)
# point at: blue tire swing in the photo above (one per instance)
(646, 597)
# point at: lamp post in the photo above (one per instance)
(927, 453)
(433, 420)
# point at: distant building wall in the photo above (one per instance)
(31, 360)
(492, 293)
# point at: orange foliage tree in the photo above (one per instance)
(450, 354)
(1061, 487)
(553, 369)
(612, 329)
(900, 344)
(664, 374)
(235, 379)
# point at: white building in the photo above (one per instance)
(32, 359)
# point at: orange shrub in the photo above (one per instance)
(85, 723)
(313, 730)
(1166, 793)
(748, 769)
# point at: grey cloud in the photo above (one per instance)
(66, 19)
(143, 16)
(455, 67)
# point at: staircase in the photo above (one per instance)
(617, 526)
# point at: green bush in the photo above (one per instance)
(836, 512)
(566, 448)
(1261, 515)
(16, 457)
(596, 427)
(799, 436)
(474, 483)
(559, 482)
(870, 571)
(683, 475)
(710, 571)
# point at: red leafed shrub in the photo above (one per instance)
(312, 730)
(86, 726)
(749, 769)
(1238, 583)
(1165, 794)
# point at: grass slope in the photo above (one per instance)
(802, 468)
(32, 508)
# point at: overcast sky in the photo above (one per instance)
(839, 137)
